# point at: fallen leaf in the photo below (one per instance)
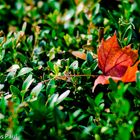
(79, 54)
(130, 74)
(113, 60)
(82, 55)
(102, 79)
(116, 62)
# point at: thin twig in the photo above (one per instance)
(65, 77)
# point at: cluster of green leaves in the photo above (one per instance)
(44, 93)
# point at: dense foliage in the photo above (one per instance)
(45, 91)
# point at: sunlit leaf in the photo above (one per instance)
(24, 71)
(36, 90)
(63, 96)
(14, 67)
(26, 84)
(74, 65)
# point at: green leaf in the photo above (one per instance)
(36, 90)
(30, 39)
(68, 39)
(53, 99)
(14, 90)
(128, 33)
(63, 96)
(74, 65)
(138, 79)
(8, 43)
(112, 85)
(124, 133)
(97, 137)
(89, 58)
(51, 65)
(129, 36)
(26, 84)
(50, 89)
(1, 116)
(14, 68)
(24, 71)
(53, 34)
(86, 71)
(3, 105)
(24, 26)
(94, 66)
(98, 99)
(76, 113)
(1, 86)
(121, 107)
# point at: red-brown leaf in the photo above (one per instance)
(112, 60)
(116, 62)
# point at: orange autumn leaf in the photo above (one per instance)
(130, 74)
(116, 62)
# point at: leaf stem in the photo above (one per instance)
(65, 77)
